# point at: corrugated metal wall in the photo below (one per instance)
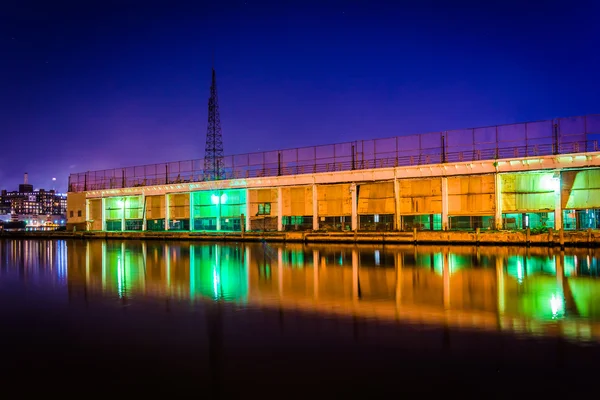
(376, 198)
(261, 196)
(133, 207)
(471, 195)
(581, 189)
(334, 200)
(155, 207)
(96, 214)
(234, 205)
(114, 208)
(421, 196)
(297, 201)
(179, 206)
(527, 192)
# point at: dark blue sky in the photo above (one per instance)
(89, 85)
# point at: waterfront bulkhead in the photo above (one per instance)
(535, 175)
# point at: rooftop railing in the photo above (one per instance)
(556, 136)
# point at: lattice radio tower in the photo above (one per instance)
(213, 153)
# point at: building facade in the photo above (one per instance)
(36, 207)
(534, 175)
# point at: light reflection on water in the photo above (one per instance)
(525, 291)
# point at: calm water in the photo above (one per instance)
(295, 321)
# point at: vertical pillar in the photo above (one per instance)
(144, 212)
(557, 202)
(191, 211)
(315, 208)
(247, 214)
(280, 270)
(123, 214)
(444, 204)
(397, 221)
(354, 199)
(280, 209)
(219, 210)
(316, 273)
(446, 277)
(103, 214)
(498, 200)
(355, 294)
(500, 283)
(167, 211)
(87, 214)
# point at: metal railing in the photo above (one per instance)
(557, 136)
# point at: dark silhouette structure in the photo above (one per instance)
(213, 154)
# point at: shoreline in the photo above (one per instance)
(495, 238)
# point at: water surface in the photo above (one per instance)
(245, 319)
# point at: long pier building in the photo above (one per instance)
(536, 175)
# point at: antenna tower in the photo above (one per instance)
(213, 152)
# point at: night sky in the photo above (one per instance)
(91, 85)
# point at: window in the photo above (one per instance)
(71, 214)
(79, 213)
(264, 209)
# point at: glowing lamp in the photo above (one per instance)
(549, 182)
(214, 199)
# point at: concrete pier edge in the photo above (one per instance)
(552, 238)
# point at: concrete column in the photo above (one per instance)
(280, 209)
(498, 200)
(446, 277)
(558, 204)
(316, 273)
(247, 213)
(167, 211)
(144, 212)
(354, 199)
(191, 211)
(123, 215)
(500, 283)
(444, 204)
(315, 208)
(87, 214)
(103, 214)
(355, 294)
(397, 219)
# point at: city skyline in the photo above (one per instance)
(125, 86)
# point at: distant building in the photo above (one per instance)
(37, 207)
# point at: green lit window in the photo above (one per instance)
(264, 209)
